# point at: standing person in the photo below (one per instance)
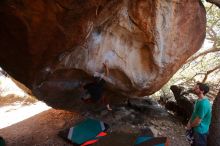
(201, 116)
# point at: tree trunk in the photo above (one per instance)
(214, 134)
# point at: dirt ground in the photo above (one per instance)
(42, 129)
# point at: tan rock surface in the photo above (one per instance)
(57, 44)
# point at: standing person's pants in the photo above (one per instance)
(200, 139)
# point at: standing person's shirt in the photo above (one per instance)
(203, 110)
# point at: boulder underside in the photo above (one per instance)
(52, 46)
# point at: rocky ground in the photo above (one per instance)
(125, 120)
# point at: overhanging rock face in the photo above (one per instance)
(51, 46)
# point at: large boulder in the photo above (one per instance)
(51, 46)
(184, 102)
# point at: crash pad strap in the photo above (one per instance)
(70, 133)
(89, 142)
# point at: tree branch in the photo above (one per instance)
(209, 8)
(211, 50)
(216, 2)
(209, 72)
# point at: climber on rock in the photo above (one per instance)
(95, 89)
